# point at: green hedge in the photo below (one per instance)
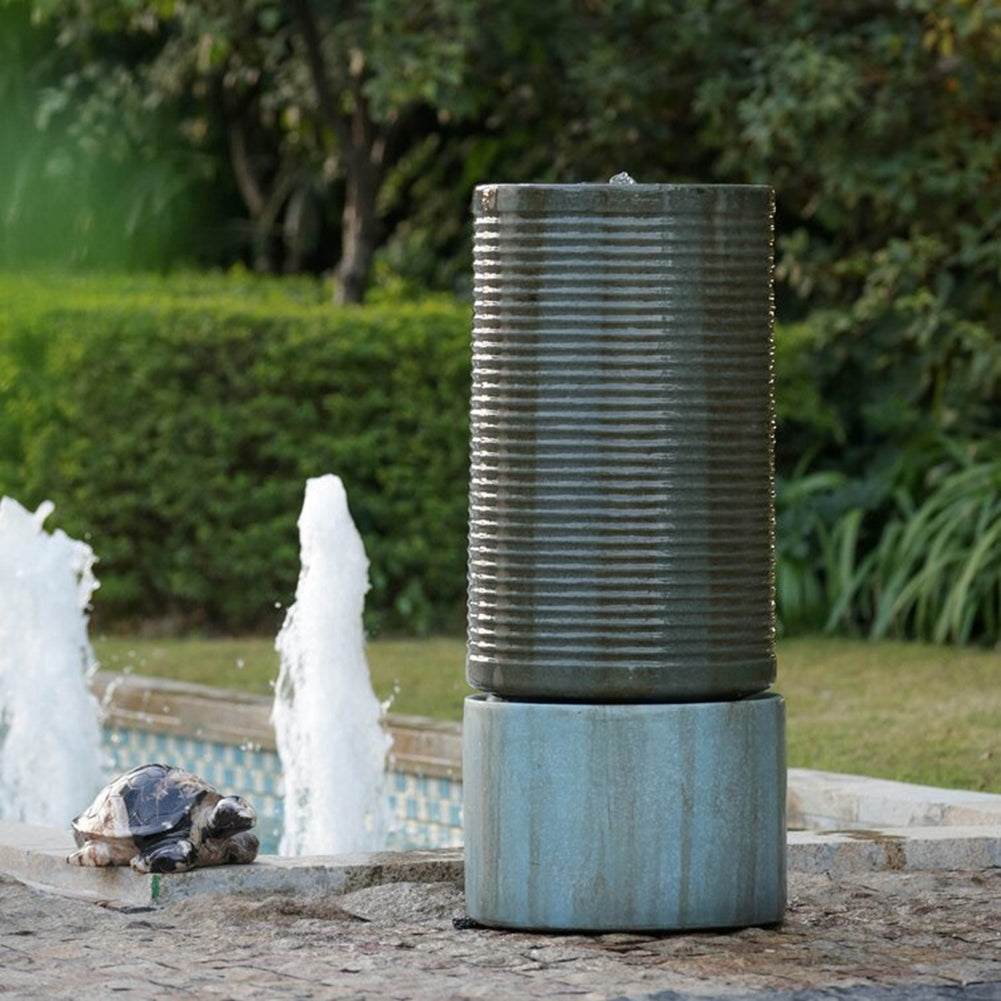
(174, 424)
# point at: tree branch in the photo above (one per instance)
(310, 32)
(243, 170)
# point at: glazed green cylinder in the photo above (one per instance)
(621, 541)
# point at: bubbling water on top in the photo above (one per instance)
(50, 738)
(326, 716)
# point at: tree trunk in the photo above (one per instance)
(359, 231)
(251, 190)
(363, 144)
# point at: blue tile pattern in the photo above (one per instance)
(427, 811)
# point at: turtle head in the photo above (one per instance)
(230, 815)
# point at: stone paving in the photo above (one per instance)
(872, 936)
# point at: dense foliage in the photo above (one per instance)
(300, 136)
(876, 121)
(174, 423)
(915, 552)
(175, 432)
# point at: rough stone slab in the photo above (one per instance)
(37, 856)
(901, 849)
(826, 800)
(885, 936)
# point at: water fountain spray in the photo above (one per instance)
(327, 718)
(48, 718)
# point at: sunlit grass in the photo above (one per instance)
(421, 677)
(909, 711)
(906, 711)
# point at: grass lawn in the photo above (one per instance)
(422, 677)
(906, 711)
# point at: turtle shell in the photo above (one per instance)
(148, 801)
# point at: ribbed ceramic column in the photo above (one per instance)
(621, 497)
(621, 560)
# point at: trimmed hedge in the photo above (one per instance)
(174, 424)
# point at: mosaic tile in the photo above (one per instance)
(427, 811)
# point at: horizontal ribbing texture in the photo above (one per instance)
(621, 540)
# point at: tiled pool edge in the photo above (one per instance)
(226, 736)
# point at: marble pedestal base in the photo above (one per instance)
(624, 816)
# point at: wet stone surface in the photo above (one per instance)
(872, 937)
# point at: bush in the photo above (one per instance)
(914, 553)
(174, 425)
(887, 514)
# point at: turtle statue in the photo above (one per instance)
(162, 819)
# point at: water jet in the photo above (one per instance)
(326, 717)
(50, 761)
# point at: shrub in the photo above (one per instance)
(175, 433)
(914, 553)
(174, 423)
(936, 572)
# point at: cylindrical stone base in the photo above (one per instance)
(624, 816)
